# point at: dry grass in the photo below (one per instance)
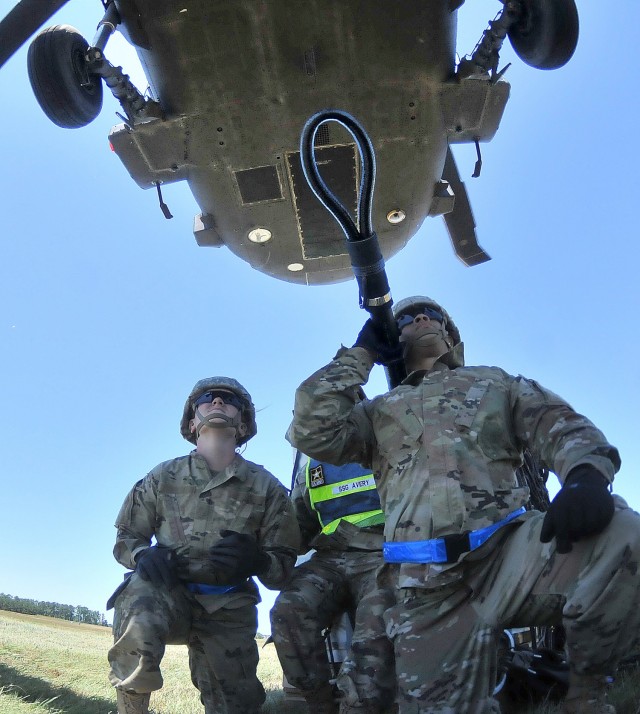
(50, 666)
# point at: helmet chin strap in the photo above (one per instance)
(217, 421)
(419, 341)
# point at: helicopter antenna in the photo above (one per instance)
(163, 206)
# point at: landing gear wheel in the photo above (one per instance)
(547, 34)
(59, 76)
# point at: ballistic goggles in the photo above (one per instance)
(227, 398)
(407, 317)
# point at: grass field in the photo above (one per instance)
(51, 666)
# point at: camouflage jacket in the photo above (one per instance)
(185, 505)
(444, 445)
(346, 536)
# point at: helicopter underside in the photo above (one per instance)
(237, 79)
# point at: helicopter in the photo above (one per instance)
(232, 82)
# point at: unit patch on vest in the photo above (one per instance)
(354, 485)
(316, 476)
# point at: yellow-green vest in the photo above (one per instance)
(345, 492)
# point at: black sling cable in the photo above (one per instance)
(362, 242)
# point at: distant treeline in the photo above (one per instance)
(75, 613)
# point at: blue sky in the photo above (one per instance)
(109, 313)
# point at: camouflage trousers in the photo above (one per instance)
(223, 656)
(318, 591)
(445, 638)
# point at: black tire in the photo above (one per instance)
(68, 95)
(547, 35)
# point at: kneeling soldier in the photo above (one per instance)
(217, 520)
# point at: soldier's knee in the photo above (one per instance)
(624, 529)
(289, 606)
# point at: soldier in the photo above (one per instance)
(217, 520)
(338, 511)
(462, 555)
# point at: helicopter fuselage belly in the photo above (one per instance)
(237, 79)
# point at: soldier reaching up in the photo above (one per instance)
(463, 558)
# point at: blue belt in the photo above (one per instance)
(443, 550)
(204, 589)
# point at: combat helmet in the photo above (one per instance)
(205, 385)
(456, 355)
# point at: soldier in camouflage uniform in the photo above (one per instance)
(217, 520)
(463, 557)
(338, 511)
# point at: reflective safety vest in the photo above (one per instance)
(345, 492)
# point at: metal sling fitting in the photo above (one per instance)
(376, 302)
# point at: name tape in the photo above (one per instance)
(354, 485)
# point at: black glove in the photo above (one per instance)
(237, 556)
(158, 566)
(582, 507)
(372, 340)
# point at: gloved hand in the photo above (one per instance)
(157, 565)
(372, 340)
(581, 508)
(237, 556)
